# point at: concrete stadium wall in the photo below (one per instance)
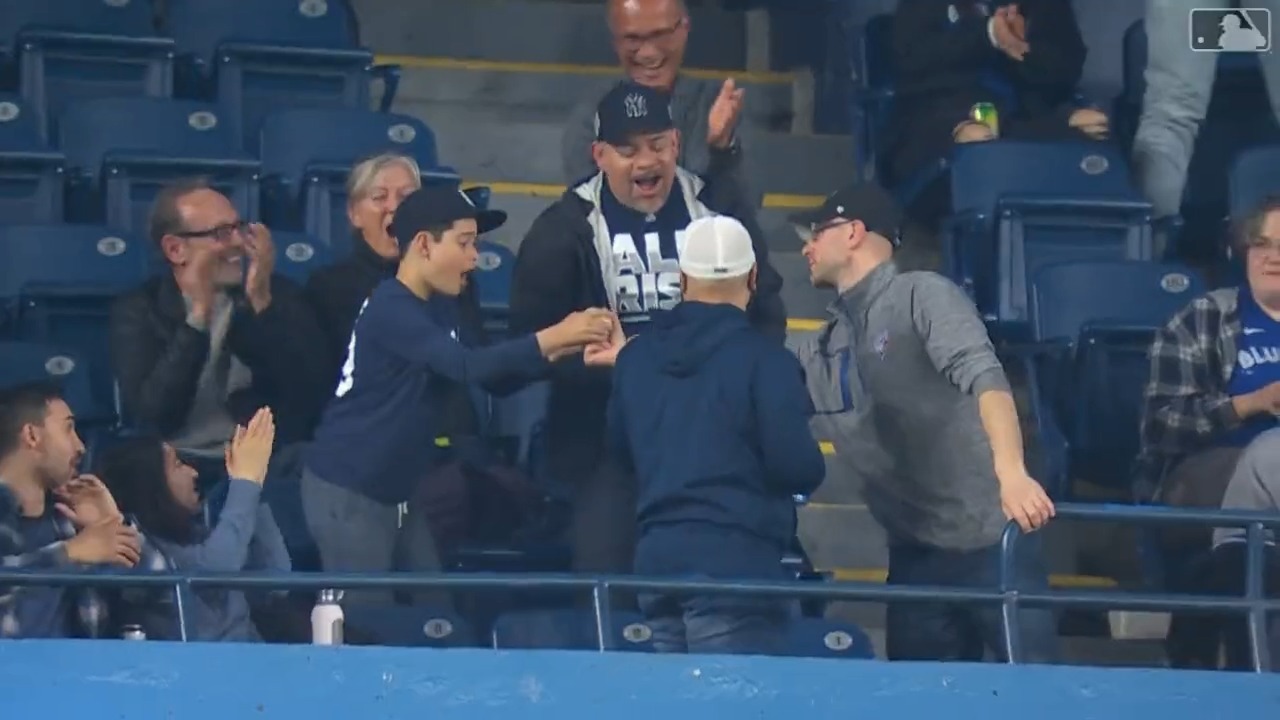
(67, 679)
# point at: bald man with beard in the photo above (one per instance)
(650, 37)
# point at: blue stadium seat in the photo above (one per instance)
(308, 153)
(1067, 296)
(1255, 175)
(568, 629)
(80, 49)
(1097, 318)
(298, 255)
(134, 146)
(492, 277)
(24, 362)
(31, 172)
(264, 56)
(1019, 206)
(57, 282)
(405, 626)
(819, 638)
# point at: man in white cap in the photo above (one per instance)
(713, 419)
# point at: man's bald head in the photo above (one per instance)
(650, 37)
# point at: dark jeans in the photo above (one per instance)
(948, 631)
(707, 625)
(1194, 639)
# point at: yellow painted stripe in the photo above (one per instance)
(443, 63)
(805, 324)
(878, 575)
(835, 506)
(780, 201)
(827, 448)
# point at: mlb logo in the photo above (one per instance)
(882, 344)
(1229, 30)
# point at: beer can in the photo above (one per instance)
(985, 113)
(133, 632)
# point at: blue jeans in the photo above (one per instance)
(705, 625)
(946, 631)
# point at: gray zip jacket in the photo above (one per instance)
(894, 376)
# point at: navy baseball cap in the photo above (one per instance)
(433, 206)
(630, 109)
(864, 201)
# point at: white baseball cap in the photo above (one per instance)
(716, 248)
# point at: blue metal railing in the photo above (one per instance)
(1011, 599)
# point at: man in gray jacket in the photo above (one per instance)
(909, 383)
(650, 37)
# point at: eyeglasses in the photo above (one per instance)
(220, 233)
(635, 41)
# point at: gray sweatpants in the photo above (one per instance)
(357, 534)
(1179, 87)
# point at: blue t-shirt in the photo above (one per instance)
(377, 435)
(41, 611)
(1257, 365)
(646, 255)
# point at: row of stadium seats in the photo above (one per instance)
(251, 56)
(571, 629)
(112, 154)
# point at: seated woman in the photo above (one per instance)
(1024, 58)
(158, 490)
(1211, 408)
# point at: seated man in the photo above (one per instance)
(52, 518)
(1024, 58)
(1214, 387)
(200, 348)
(713, 419)
(649, 37)
(613, 240)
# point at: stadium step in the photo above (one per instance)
(482, 147)
(526, 31)
(547, 92)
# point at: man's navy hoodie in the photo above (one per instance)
(713, 416)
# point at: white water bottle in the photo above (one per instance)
(327, 619)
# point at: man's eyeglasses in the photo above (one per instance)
(816, 229)
(658, 37)
(220, 233)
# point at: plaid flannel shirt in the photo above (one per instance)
(1185, 406)
(91, 619)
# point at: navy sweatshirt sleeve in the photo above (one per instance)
(398, 324)
(227, 547)
(792, 457)
(267, 550)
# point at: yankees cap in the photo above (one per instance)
(630, 109)
(439, 205)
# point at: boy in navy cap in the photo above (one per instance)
(376, 437)
(613, 241)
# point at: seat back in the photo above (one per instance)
(273, 55)
(1068, 296)
(819, 638)
(79, 49)
(31, 186)
(492, 277)
(1038, 203)
(23, 362)
(1110, 373)
(201, 26)
(1255, 176)
(294, 140)
(298, 255)
(406, 626)
(568, 629)
(875, 70)
(141, 144)
(58, 282)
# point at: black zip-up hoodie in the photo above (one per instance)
(558, 271)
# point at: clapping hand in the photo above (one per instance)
(261, 253)
(1010, 28)
(249, 452)
(724, 114)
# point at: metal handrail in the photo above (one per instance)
(1010, 598)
